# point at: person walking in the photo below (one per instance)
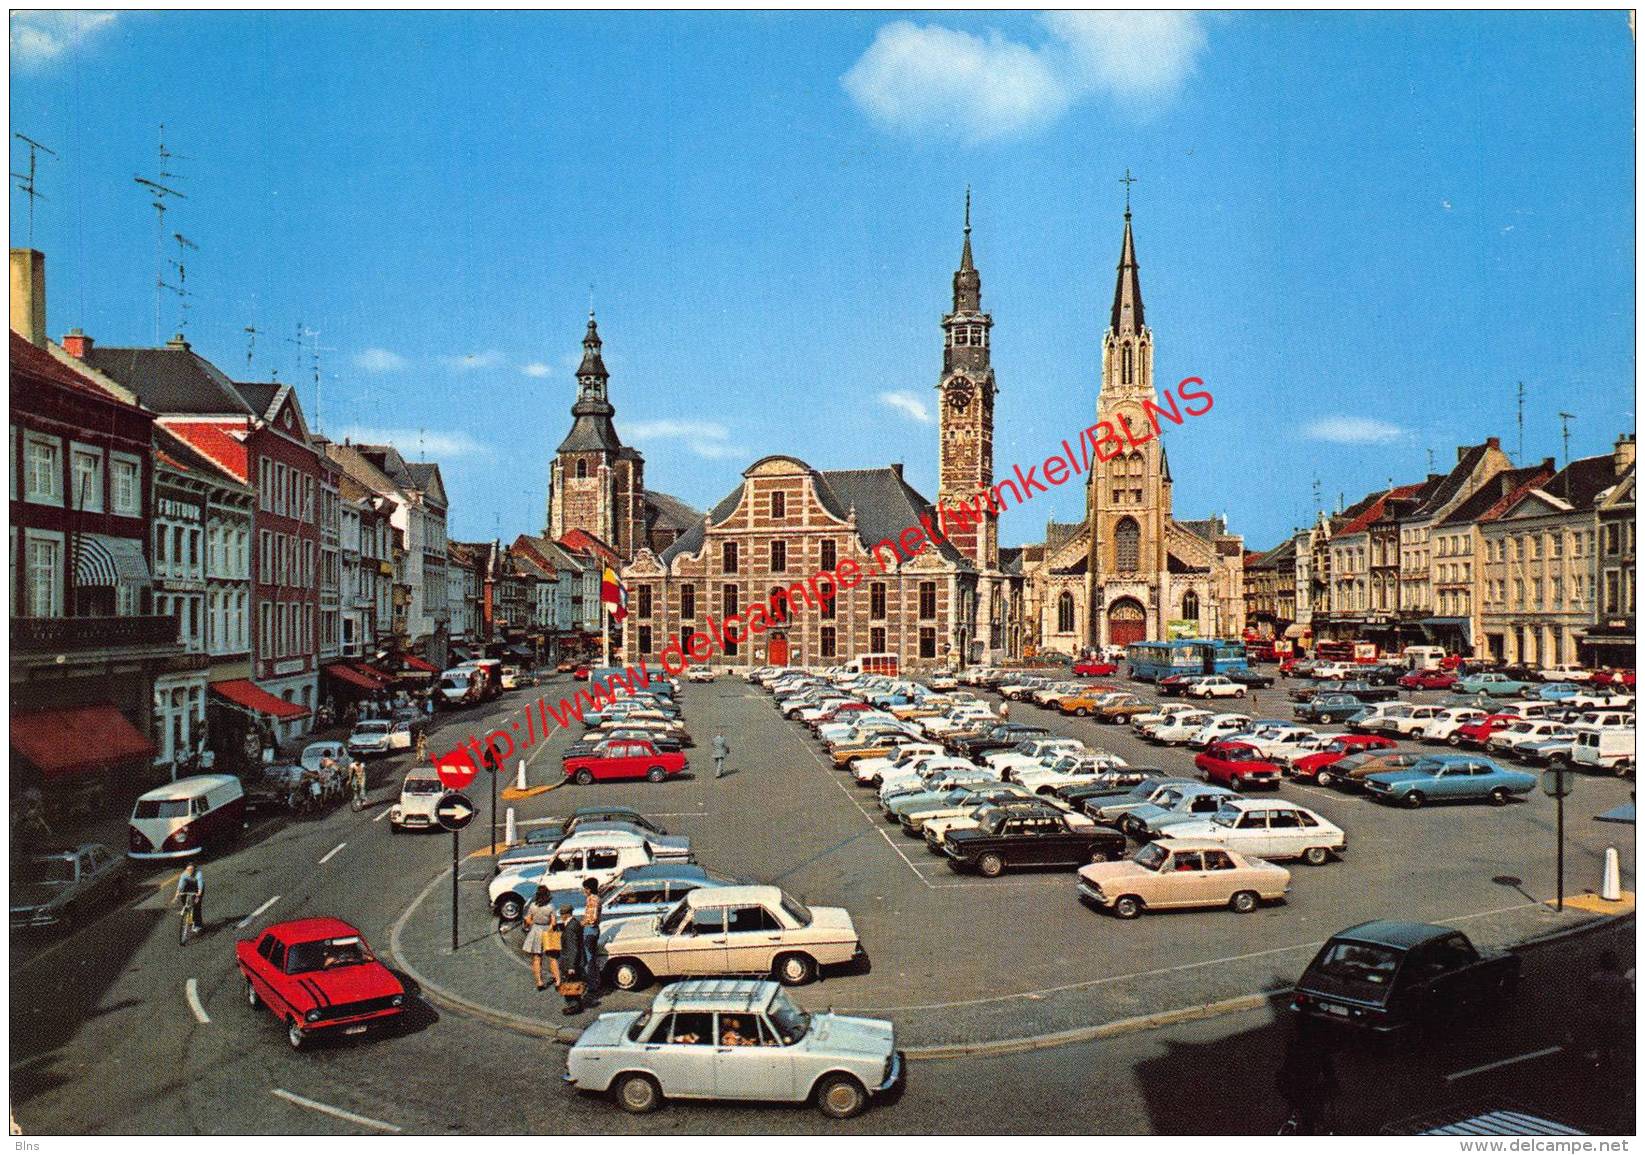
(571, 985)
(722, 750)
(542, 936)
(1005, 711)
(357, 782)
(191, 887)
(422, 746)
(592, 909)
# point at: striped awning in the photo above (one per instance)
(101, 560)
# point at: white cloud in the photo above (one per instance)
(40, 37)
(928, 78)
(467, 362)
(707, 439)
(413, 444)
(376, 360)
(536, 369)
(1353, 431)
(908, 405)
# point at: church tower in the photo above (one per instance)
(596, 483)
(1129, 500)
(965, 447)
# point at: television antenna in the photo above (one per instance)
(1565, 420)
(184, 246)
(25, 180)
(160, 190)
(308, 341)
(1519, 450)
(251, 332)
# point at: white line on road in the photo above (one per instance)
(245, 922)
(330, 854)
(1529, 1055)
(381, 816)
(334, 1112)
(191, 991)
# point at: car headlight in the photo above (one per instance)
(398, 999)
(312, 1015)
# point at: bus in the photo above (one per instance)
(885, 664)
(1151, 661)
(1363, 653)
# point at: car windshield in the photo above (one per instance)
(372, 728)
(421, 786)
(791, 1022)
(52, 870)
(1151, 857)
(637, 1029)
(161, 808)
(671, 922)
(797, 910)
(326, 954)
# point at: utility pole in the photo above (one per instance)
(25, 180)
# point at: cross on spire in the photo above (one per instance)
(1128, 180)
(967, 210)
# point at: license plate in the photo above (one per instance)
(361, 1029)
(1333, 1009)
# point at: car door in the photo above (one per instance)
(1287, 836)
(1188, 884)
(565, 870)
(680, 1052)
(1221, 877)
(753, 935)
(1251, 833)
(761, 1069)
(699, 946)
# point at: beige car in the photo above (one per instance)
(1182, 872)
(732, 930)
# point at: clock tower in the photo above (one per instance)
(965, 449)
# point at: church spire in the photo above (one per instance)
(591, 374)
(967, 283)
(1127, 315)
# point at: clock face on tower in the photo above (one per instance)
(959, 394)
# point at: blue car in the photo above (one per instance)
(1449, 778)
(1558, 691)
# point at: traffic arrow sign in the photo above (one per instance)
(454, 811)
(456, 769)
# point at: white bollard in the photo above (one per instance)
(1610, 889)
(519, 776)
(509, 830)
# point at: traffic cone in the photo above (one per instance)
(1610, 888)
(509, 831)
(519, 776)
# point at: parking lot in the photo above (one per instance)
(1020, 955)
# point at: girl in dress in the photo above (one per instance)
(542, 937)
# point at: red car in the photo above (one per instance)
(1428, 680)
(839, 712)
(580, 674)
(1614, 678)
(1474, 734)
(318, 976)
(1237, 765)
(1307, 769)
(1174, 684)
(1093, 668)
(618, 758)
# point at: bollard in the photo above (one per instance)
(509, 831)
(519, 776)
(1610, 888)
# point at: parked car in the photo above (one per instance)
(317, 976)
(1095, 668)
(1174, 685)
(1251, 679)
(628, 758)
(1174, 873)
(1327, 708)
(600, 855)
(180, 819)
(555, 830)
(1219, 726)
(1492, 684)
(316, 752)
(732, 930)
(1310, 767)
(1183, 804)
(1449, 778)
(1385, 976)
(1110, 811)
(1349, 773)
(1428, 680)
(741, 1040)
(663, 847)
(55, 887)
(1268, 829)
(699, 674)
(1368, 691)
(997, 737)
(913, 812)
(1476, 735)
(1565, 672)
(1604, 748)
(1178, 727)
(1042, 837)
(1444, 725)
(1215, 686)
(1237, 764)
(1064, 769)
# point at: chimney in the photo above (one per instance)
(77, 344)
(177, 342)
(896, 467)
(1493, 443)
(28, 295)
(1623, 456)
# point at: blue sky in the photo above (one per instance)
(1360, 230)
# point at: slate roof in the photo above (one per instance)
(170, 379)
(1210, 528)
(1011, 558)
(261, 396)
(1491, 500)
(35, 361)
(668, 511)
(466, 554)
(1468, 460)
(1060, 533)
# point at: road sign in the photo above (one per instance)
(456, 769)
(454, 811)
(1558, 783)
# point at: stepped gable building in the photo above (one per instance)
(596, 483)
(1132, 570)
(957, 601)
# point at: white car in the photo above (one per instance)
(1332, 671)
(1375, 716)
(1412, 722)
(1031, 752)
(960, 717)
(601, 855)
(420, 793)
(1268, 828)
(1215, 686)
(380, 736)
(1512, 738)
(314, 752)
(833, 732)
(1277, 742)
(1218, 726)
(1178, 728)
(699, 674)
(942, 682)
(1604, 748)
(1443, 727)
(1063, 771)
(1163, 712)
(1049, 696)
(1564, 672)
(922, 770)
(872, 771)
(1313, 744)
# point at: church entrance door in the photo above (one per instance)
(779, 649)
(1127, 622)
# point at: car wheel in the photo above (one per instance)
(1412, 800)
(656, 774)
(841, 1097)
(1235, 782)
(1127, 906)
(1454, 739)
(1244, 902)
(252, 1000)
(1316, 856)
(990, 865)
(295, 1035)
(584, 777)
(1327, 718)
(510, 907)
(1325, 778)
(1082, 711)
(628, 974)
(1624, 768)
(1499, 797)
(636, 1093)
(795, 970)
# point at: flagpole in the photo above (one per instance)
(605, 637)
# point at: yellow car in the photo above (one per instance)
(1085, 703)
(880, 746)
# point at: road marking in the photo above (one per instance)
(334, 1112)
(330, 854)
(1529, 1055)
(867, 817)
(381, 816)
(245, 922)
(191, 991)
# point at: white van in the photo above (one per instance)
(1423, 657)
(1604, 748)
(453, 686)
(179, 819)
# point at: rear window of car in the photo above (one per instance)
(1366, 969)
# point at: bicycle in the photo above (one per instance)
(189, 920)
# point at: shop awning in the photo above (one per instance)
(346, 673)
(101, 560)
(253, 697)
(413, 662)
(78, 740)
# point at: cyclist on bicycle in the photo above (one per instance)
(357, 781)
(191, 888)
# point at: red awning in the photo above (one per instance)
(346, 673)
(413, 662)
(78, 740)
(382, 679)
(254, 697)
